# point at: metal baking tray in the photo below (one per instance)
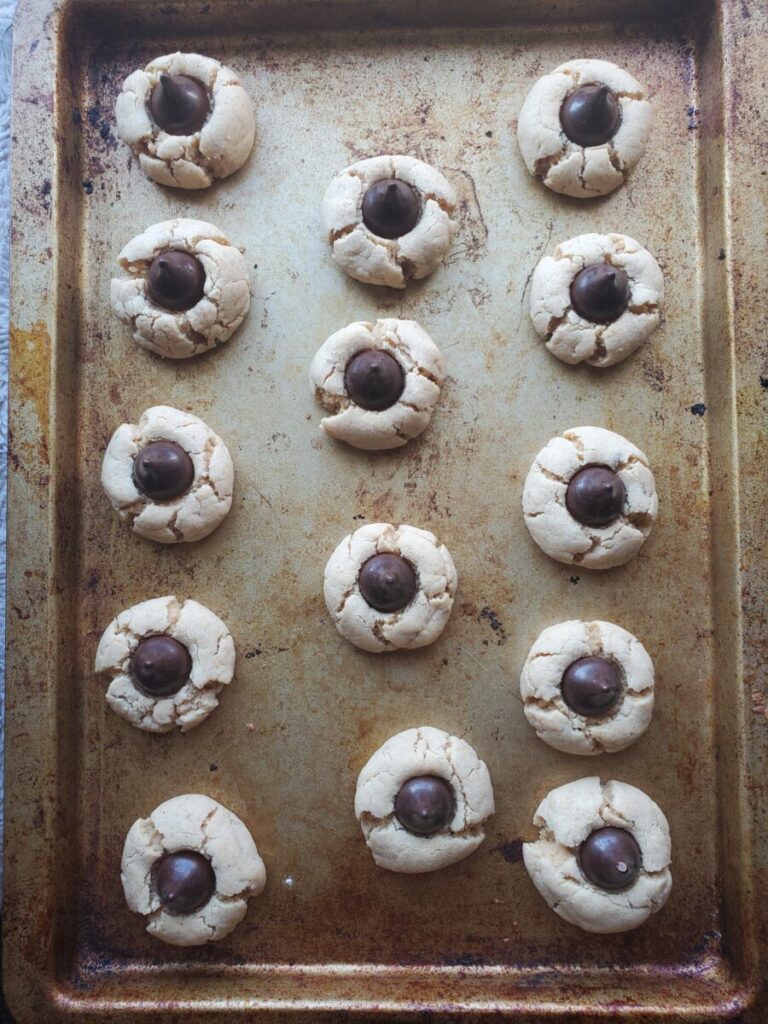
(333, 936)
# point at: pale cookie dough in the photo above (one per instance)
(422, 620)
(423, 751)
(565, 817)
(553, 527)
(192, 822)
(559, 725)
(574, 339)
(563, 165)
(217, 150)
(422, 365)
(389, 261)
(210, 648)
(195, 514)
(212, 320)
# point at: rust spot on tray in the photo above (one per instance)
(30, 355)
(489, 615)
(511, 851)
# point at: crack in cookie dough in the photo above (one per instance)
(415, 752)
(210, 647)
(192, 822)
(193, 161)
(207, 324)
(555, 722)
(422, 620)
(574, 339)
(565, 818)
(424, 372)
(563, 165)
(553, 527)
(193, 515)
(393, 262)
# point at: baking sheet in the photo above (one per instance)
(334, 83)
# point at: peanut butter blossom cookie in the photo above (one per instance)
(602, 857)
(389, 219)
(184, 289)
(380, 382)
(590, 498)
(167, 662)
(422, 800)
(388, 587)
(587, 687)
(188, 120)
(169, 475)
(597, 298)
(190, 869)
(583, 127)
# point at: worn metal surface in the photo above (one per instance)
(335, 82)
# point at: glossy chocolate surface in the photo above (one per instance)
(387, 582)
(591, 686)
(160, 665)
(600, 293)
(184, 881)
(175, 280)
(374, 379)
(610, 858)
(425, 804)
(591, 115)
(162, 470)
(179, 104)
(595, 496)
(391, 208)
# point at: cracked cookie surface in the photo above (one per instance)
(571, 337)
(565, 818)
(561, 726)
(369, 258)
(563, 165)
(198, 823)
(419, 752)
(423, 371)
(209, 322)
(192, 161)
(197, 512)
(553, 527)
(210, 647)
(422, 620)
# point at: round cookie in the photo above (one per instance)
(191, 827)
(596, 299)
(552, 492)
(608, 132)
(557, 860)
(429, 756)
(188, 120)
(357, 206)
(194, 512)
(572, 698)
(176, 309)
(167, 662)
(373, 564)
(411, 399)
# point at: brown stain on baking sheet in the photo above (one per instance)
(30, 361)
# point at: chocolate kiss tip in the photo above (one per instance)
(601, 97)
(169, 87)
